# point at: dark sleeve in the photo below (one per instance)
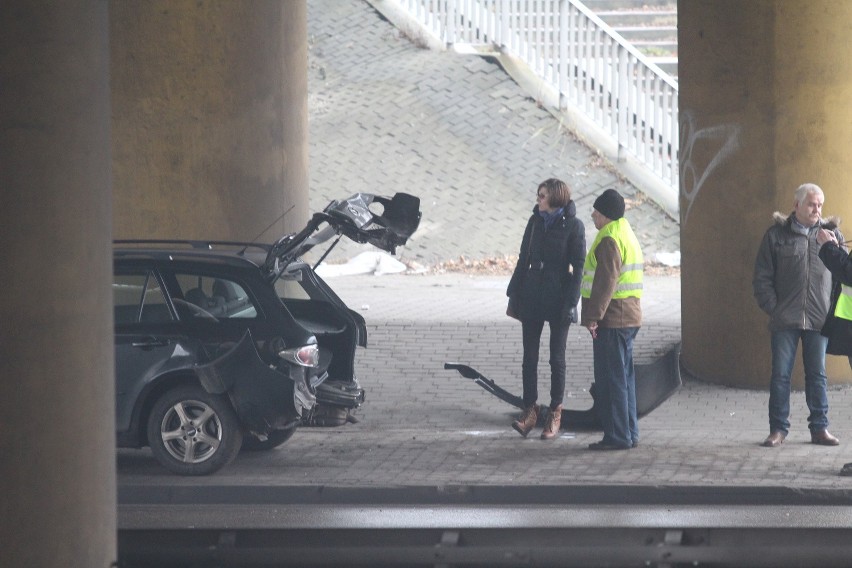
(576, 259)
(763, 282)
(523, 261)
(837, 261)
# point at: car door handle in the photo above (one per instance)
(150, 343)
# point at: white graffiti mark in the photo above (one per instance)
(725, 136)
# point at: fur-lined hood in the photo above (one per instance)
(828, 223)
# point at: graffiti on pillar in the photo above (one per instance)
(716, 142)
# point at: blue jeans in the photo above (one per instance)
(615, 385)
(784, 345)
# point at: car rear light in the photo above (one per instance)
(306, 356)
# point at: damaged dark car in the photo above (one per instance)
(223, 346)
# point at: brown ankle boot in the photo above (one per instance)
(551, 426)
(526, 421)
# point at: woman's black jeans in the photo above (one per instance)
(531, 330)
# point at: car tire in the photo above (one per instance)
(193, 432)
(273, 440)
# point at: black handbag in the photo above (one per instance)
(512, 308)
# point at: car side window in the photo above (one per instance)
(138, 298)
(210, 297)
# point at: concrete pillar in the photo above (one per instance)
(57, 403)
(764, 106)
(209, 118)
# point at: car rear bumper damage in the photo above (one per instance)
(264, 397)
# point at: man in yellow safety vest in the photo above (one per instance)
(611, 290)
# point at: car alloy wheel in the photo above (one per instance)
(192, 432)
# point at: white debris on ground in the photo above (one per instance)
(381, 263)
(668, 258)
(371, 262)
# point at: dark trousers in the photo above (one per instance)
(615, 385)
(558, 339)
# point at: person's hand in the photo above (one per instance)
(823, 236)
(592, 326)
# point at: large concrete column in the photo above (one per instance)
(764, 106)
(209, 118)
(57, 403)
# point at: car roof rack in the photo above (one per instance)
(192, 244)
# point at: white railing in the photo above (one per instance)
(594, 70)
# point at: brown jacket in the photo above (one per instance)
(600, 307)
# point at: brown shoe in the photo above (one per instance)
(526, 421)
(823, 438)
(551, 427)
(774, 439)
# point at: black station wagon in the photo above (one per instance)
(222, 345)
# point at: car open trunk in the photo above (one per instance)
(315, 306)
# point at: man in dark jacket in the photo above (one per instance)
(838, 321)
(793, 287)
(838, 325)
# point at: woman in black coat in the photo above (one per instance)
(545, 287)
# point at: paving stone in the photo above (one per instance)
(423, 425)
(453, 129)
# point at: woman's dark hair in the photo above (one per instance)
(558, 193)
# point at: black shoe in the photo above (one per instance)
(846, 470)
(606, 447)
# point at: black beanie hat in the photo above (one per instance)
(610, 204)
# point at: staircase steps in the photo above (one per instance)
(650, 25)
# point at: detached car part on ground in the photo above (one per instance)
(222, 346)
(655, 383)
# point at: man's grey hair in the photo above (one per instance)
(803, 190)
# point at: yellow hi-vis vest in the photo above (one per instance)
(629, 283)
(844, 303)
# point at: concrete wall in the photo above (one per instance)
(209, 118)
(57, 402)
(209, 140)
(765, 87)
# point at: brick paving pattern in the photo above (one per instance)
(455, 130)
(387, 116)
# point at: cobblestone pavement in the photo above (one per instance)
(387, 116)
(455, 130)
(424, 426)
